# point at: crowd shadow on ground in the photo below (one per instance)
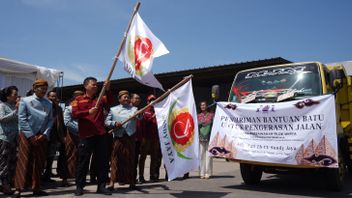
(141, 188)
(203, 194)
(158, 188)
(56, 190)
(300, 185)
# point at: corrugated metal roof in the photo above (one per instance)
(219, 73)
(206, 68)
(227, 65)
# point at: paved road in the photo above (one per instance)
(227, 182)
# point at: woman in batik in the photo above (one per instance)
(8, 136)
(205, 120)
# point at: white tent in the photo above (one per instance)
(346, 64)
(23, 75)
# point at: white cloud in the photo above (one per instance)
(81, 67)
(74, 77)
(75, 73)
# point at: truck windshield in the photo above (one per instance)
(268, 83)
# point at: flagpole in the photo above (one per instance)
(136, 8)
(160, 98)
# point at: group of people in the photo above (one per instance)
(89, 135)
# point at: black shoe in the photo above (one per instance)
(110, 188)
(133, 187)
(40, 193)
(6, 189)
(154, 179)
(104, 191)
(8, 192)
(17, 194)
(50, 180)
(64, 184)
(141, 180)
(47, 179)
(54, 175)
(185, 176)
(79, 191)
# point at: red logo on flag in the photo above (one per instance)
(143, 49)
(182, 128)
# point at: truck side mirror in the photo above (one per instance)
(215, 92)
(335, 79)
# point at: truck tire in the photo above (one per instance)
(336, 176)
(251, 174)
(335, 180)
(349, 169)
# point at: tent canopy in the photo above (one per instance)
(347, 65)
(23, 75)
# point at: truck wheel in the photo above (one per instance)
(251, 174)
(349, 169)
(335, 179)
(336, 176)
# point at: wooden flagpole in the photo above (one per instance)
(162, 97)
(136, 8)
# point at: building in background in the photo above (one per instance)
(203, 79)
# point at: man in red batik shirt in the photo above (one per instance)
(92, 134)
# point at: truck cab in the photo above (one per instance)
(296, 81)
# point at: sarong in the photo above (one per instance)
(71, 142)
(7, 161)
(122, 160)
(30, 163)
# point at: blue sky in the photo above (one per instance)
(81, 37)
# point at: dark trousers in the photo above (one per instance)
(62, 168)
(156, 159)
(152, 147)
(86, 147)
(136, 156)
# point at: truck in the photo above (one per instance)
(297, 81)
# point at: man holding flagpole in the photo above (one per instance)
(92, 134)
(123, 150)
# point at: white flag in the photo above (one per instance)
(178, 131)
(137, 54)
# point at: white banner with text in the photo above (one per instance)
(300, 132)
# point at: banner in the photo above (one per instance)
(301, 132)
(140, 48)
(178, 131)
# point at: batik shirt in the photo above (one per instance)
(90, 125)
(70, 123)
(205, 121)
(8, 122)
(121, 113)
(35, 115)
